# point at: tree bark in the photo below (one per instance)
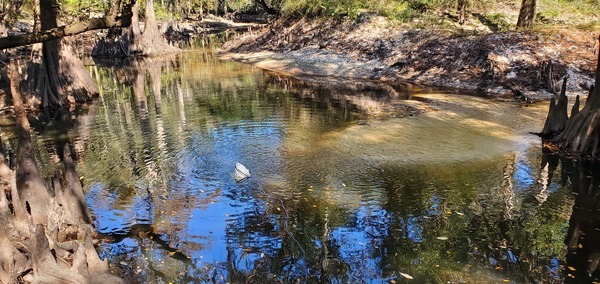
(31, 188)
(557, 115)
(43, 239)
(58, 77)
(527, 14)
(462, 4)
(134, 43)
(581, 131)
(58, 32)
(151, 25)
(110, 20)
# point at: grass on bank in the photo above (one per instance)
(501, 15)
(498, 15)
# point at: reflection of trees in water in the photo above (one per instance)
(138, 137)
(528, 244)
(495, 230)
(47, 225)
(582, 239)
(147, 134)
(338, 94)
(283, 239)
(138, 134)
(531, 243)
(514, 228)
(422, 205)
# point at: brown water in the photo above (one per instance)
(459, 194)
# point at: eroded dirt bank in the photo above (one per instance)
(525, 65)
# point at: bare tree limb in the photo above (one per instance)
(109, 21)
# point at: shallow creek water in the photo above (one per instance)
(458, 194)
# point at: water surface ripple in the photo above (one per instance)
(458, 194)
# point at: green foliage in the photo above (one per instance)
(323, 8)
(590, 26)
(78, 6)
(318, 8)
(394, 9)
(163, 13)
(550, 12)
(567, 12)
(76, 10)
(239, 5)
(499, 21)
(497, 14)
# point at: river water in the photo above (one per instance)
(352, 182)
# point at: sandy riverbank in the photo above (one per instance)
(509, 64)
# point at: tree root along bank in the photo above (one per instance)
(46, 232)
(523, 64)
(578, 134)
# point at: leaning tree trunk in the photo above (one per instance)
(56, 76)
(118, 15)
(580, 133)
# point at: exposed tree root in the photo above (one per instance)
(45, 232)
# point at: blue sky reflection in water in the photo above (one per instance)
(329, 200)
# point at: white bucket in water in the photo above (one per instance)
(240, 172)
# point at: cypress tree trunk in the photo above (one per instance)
(45, 236)
(56, 76)
(132, 42)
(557, 115)
(580, 133)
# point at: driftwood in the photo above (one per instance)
(578, 134)
(45, 235)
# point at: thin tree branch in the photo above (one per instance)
(109, 21)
